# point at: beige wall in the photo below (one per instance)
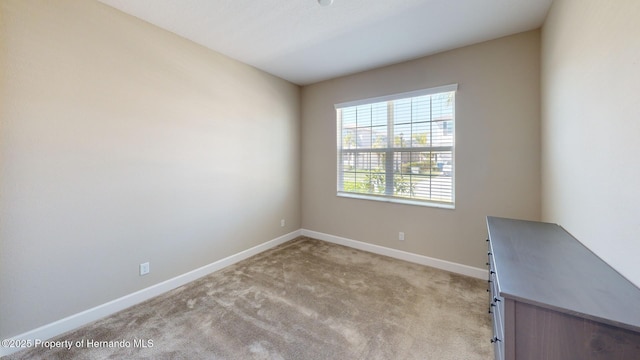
(497, 150)
(121, 143)
(591, 126)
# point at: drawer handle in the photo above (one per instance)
(490, 308)
(495, 339)
(489, 253)
(487, 239)
(495, 299)
(491, 272)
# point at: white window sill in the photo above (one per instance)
(396, 200)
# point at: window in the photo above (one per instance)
(398, 148)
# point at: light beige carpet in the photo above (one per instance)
(305, 299)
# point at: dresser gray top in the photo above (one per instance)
(542, 264)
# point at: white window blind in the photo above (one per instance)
(398, 148)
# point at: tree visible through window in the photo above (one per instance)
(398, 148)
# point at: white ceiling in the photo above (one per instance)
(303, 42)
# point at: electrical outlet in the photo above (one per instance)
(144, 269)
(400, 235)
(282, 223)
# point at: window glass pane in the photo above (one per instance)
(361, 183)
(443, 161)
(376, 182)
(442, 134)
(348, 162)
(363, 162)
(379, 137)
(401, 162)
(404, 160)
(441, 188)
(363, 115)
(402, 186)
(421, 186)
(442, 106)
(348, 117)
(421, 163)
(402, 111)
(378, 161)
(363, 138)
(348, 180)
(402, 136)
(421, 108)
(420, 134)
(379, 114)
(348, 138)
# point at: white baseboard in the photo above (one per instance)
(399, 254)
(85, 317)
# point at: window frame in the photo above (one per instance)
(391, 150)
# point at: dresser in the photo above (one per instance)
(551, 298)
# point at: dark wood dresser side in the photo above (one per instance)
(551, 298)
